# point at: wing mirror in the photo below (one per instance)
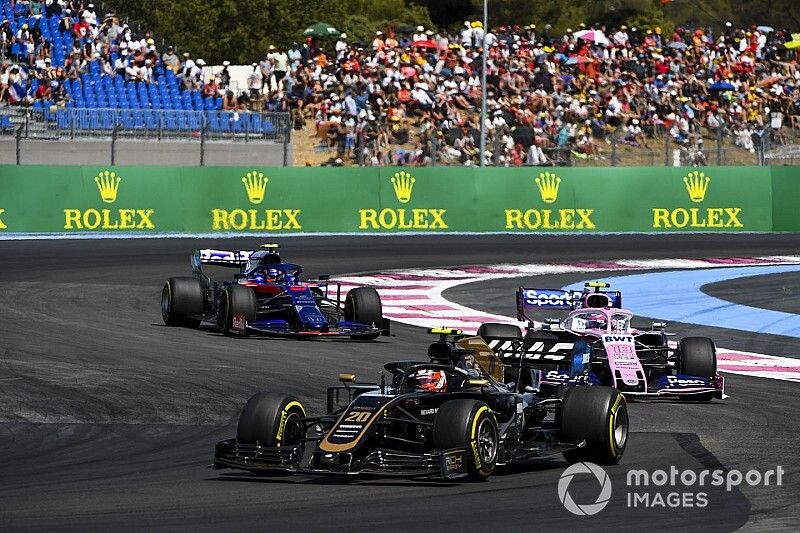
(347, 378)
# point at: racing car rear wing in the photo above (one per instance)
(534, 353)
(227, 258)
(548, 299)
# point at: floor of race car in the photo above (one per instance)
(108, 418)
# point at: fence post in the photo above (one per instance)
(27, 121)
(434, 145)
(114, 145)
(286, 137)
(203, 142)
(666, 150)
(18, 138)
(719, 147)
(614, 161)
(247, 129)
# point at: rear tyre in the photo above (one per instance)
(363, 305)
(598, 416)
(493, 329)
(235, 300)
(697, 356)
(180, 298)
(468, 424)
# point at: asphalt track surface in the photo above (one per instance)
(108, 418)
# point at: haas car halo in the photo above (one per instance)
(268, 297)
(595, 344)
(450, 417)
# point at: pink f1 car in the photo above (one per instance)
(595, 344)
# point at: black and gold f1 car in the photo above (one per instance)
(450, 417)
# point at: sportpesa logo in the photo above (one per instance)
(255, 187)
(697, 186)
(548, 185)
(390, 218)
(108, 185)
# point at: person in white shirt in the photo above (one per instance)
(254, 81)
(535, 156)
(341, 47)
(420, 34)
(466, 35)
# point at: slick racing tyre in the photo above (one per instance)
(235, 300)
(271, 420)
(363, 305)
(697, 356)
(180, 298)
(492, 329)
(468, 424)
(598, 416)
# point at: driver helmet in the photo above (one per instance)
(431, 380)
(596, 321)
(619, 324)
(273, 274)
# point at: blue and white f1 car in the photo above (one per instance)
(269, 297)
(595, 344)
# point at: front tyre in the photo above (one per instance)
(235, 300)
(271, 420)
(697, 356)
(469, 424)
(180, 298)
(363, 305)
(597, 416)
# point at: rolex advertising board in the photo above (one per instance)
(286, 200)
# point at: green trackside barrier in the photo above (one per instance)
(786, 198)
(50, 199)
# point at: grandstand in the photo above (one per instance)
(99, 101)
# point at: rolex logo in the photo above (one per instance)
(255, 183)
(108, 184)
(696, 185)
(548, 184)
(403, 184)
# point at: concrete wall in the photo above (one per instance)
(143, 152)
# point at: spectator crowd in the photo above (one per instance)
(413, 95)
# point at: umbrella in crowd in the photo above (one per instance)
(425, 44)
(678, 45)
(791, 45)
(578, 60)
(595, 36)
(321, 29)
(766, 29)
(721, 86)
